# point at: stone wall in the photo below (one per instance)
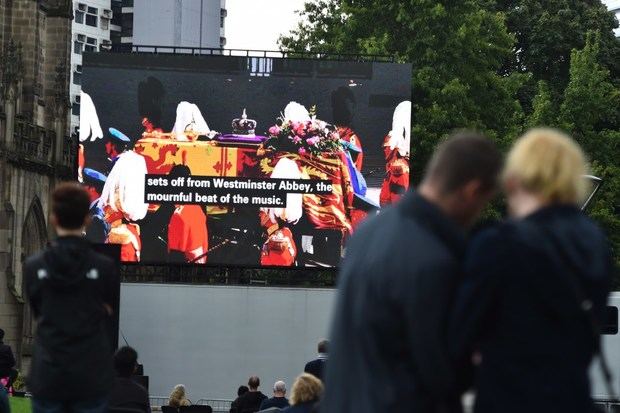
(40, 99)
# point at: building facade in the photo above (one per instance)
(91, 32)
(35, 148)
(172, 23)
(614, 6)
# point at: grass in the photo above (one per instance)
(20, 405)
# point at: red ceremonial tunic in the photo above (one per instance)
(350, 136)
(279, 249)
(187, 232)
(396, 181)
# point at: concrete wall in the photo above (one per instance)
(213, 338)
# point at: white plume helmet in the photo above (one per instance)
(124, 188)
(89, 121)
(188, 115)
(296, 112)
(400, 135)
(287, 169)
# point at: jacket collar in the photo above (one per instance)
(428, 215)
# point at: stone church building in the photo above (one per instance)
(35, 148)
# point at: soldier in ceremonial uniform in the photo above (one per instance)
(188, 237)
(116, 142)
(396, 147)
(122, 202)
(98, 229)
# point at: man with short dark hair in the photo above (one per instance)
(250, 402)
(70, 290)
(317, 367)
(7, 362)
(278, 400)
(396, 285)
(126, 393)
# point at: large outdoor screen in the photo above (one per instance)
(239, 161)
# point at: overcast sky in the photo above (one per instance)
(257, 24)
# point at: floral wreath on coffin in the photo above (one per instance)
(299, 131)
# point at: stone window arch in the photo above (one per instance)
(34, 239)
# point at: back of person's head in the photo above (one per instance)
(242, 390)
(322, 347)
(306, 389)
(279, 387)
(253, 382)
(125, 361)
(464, 157)
(548, 164)
(1, 334)
(177, 395)
(462, 176)
(70, 206)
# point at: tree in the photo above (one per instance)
(456, 48)
(546, 31)
(544, 112)
(590, 111)
(591, 103)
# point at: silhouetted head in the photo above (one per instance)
(242, 390)
(322, 347)
(179, 171)
(125, 361)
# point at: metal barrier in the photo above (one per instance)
(158, 401)
(218, 405)
(608, 406)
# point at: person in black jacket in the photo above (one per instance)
(278, 400)
(126, 393)
(317, 367)
(250, 402)
(70, 290)
(536, 287)
(7, 362)
(388, 350)
(240, 392)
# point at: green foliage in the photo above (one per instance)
(546, 32)
(544, 112)
(456, 49)
(500, 66)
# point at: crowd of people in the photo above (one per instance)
(422, 315)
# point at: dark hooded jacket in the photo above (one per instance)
(68, 286)
(518, 307)
(388, 350)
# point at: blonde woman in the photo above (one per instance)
(536, 286)
(177, 397)
(306, 392)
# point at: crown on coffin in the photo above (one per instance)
(243, 125)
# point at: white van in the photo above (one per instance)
(611, 347)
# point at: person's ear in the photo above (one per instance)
(472, 191)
